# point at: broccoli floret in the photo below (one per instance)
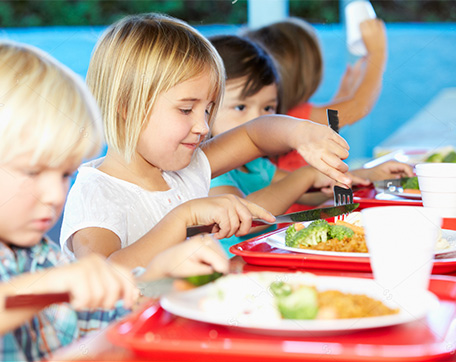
(435, 157)
(302, 303)
(280, 289)
(411, 183)
(313, 234)
(290, 233)
(339, 232)
(450, 157)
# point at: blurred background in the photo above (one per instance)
(421, 45)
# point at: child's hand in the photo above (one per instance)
(388, 170)
(350, 80)
(323, 149)
(231, 215)
(374, 36)
(94, 283)
(199, 255)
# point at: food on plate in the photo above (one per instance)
(341, 236)
(275, 296)
(445, 154)
(321, 235)
(411, 183)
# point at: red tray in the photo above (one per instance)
(257, 251)
(367, 197)
(153, 333)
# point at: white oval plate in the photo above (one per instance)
(188, 304)
(277, 240)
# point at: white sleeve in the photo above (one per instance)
(92, 203)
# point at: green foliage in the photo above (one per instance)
(24, 13)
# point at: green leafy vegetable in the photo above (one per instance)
(301, 303)
(340, 232)
(450, 157)
(313, 234)
(411, 183)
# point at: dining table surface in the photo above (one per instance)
(100, 346)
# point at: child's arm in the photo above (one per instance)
(199, 255)
(230, 215)
(92, 282)
(320, 146)
(285, 189)
(363, 98)
(386, 170)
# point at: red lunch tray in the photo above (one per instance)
(154, 334)
(369, 197)
(257, 251)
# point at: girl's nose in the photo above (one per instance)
(201, 126)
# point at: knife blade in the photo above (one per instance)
(308, 215)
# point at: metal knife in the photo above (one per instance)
(308, 215)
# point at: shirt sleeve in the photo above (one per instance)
(224, 180)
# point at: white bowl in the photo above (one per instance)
(439, 199)
(437, 184)
(436, 169)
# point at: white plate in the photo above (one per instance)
(188, 304)
(382, 195)
(278, 241)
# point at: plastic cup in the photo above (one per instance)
(401, 242)
(437, 183)
(355, 13)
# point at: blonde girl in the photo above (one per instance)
(159, 84)
(49, 122)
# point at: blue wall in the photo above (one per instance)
(422, 60)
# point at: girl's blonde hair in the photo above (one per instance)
(294, 45)
(136, 59)
(44, 109)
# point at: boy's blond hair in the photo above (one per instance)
(138, 58)
(44, 109)
(294, 45)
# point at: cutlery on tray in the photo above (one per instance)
(307, 215)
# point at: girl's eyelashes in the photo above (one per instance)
(239, 107)
(185, 111)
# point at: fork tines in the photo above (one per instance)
(342, 196)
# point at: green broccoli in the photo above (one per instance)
(411, 183)
(450, 157)
(435, 157)
(290, 233)
(280, 289)
(313, 234)
(302, 303)
(339, 232)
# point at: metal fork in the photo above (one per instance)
(342, 196)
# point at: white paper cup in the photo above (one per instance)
(355, 13)
(401, 242)
(437, 183)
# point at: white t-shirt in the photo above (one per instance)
(100, 200)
